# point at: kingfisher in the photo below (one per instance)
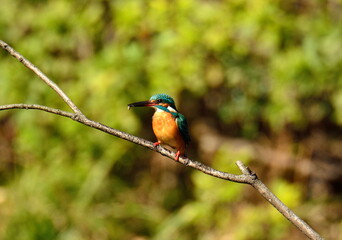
(169, 126)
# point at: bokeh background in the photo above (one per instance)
(259, 81)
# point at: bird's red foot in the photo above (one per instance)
(156, 144)
(177, 156)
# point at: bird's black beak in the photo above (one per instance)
(142, 104)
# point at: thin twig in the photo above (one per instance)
(41, 75)
(38, 107)
(247, 176)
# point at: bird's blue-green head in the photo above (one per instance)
(160, 101)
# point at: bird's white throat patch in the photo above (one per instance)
(171, 109)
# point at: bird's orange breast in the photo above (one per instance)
(166, 130)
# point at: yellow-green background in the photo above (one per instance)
(259, 81)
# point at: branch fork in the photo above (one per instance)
(247, 176)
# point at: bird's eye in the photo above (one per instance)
(158, 100)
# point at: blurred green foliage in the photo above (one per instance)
(251, 70)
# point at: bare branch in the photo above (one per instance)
(283, 209)
(38, 107)
(247, 176)
(244, 178)
(41, 75)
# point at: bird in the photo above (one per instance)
(169, 126)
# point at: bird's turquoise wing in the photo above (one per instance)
(182, 126)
